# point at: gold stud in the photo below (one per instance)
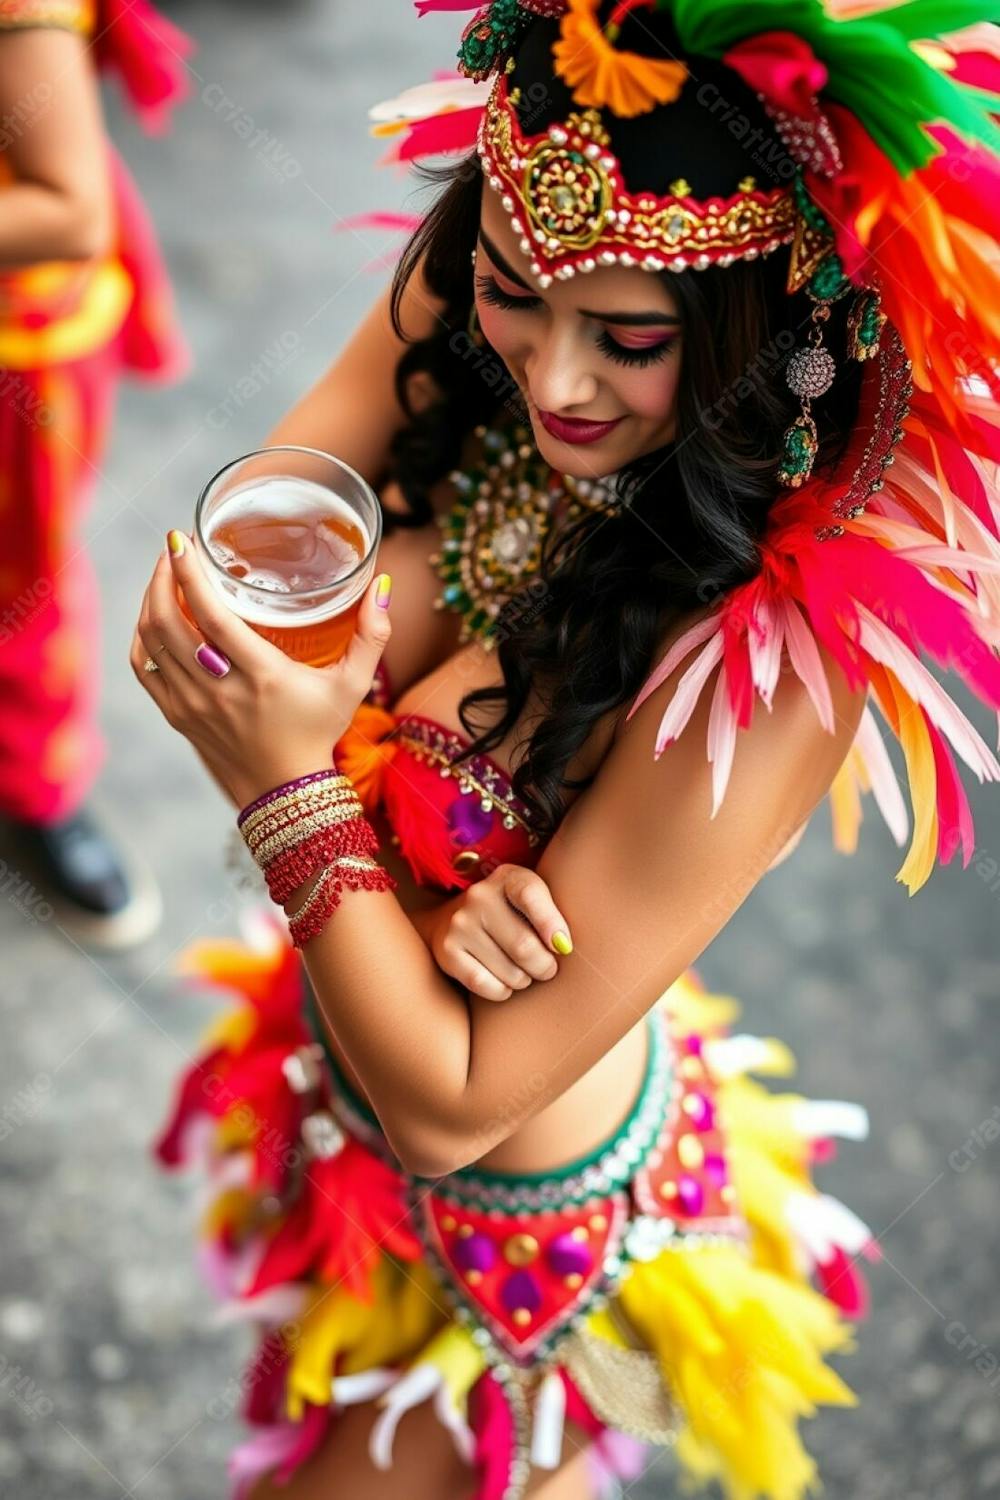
(520, 1249)
(521, 1316)
(580, 1233)
(449, 1223)
(668, 1190)
(747, 184)
(681, 188)
(465, 1231)
(573, 1280)
(473, 1277)
(598, 1223)
(690, 1067)
(727, 1193)
(690, 1151)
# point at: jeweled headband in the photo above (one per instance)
(566, 196)
(564, 186)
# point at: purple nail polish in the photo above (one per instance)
(213, 661)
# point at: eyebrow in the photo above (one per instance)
(624, 319)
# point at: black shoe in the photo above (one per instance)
(97, 899)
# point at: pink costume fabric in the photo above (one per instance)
(68, 330)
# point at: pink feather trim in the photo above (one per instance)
(493, 1425)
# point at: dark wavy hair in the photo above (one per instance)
(692, 512)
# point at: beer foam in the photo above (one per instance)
(276, 497)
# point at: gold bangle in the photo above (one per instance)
(290, 819)
(290, 838)
(327, 791)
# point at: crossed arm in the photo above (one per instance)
(646, 878)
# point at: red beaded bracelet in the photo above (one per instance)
(355, 873)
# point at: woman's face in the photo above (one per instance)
(596, 358)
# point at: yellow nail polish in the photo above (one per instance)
(561, 942)
(175, 541)
(384, 591)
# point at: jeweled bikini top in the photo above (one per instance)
(453, 820)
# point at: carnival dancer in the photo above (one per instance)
(84, 296)
(686, 397)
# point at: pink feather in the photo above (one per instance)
(739, 623)
(405, 223)
(437, 135)
(678, 651)
(764, 645)
(682, 704)
(311, 1430)
(493, 1425)
(882, 644)
(427, 7)
(955, 824)
(807, 662)
(916, 612)
(843, 1285)
(260, 1455)
(722, 730)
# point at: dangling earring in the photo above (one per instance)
(865, 324)
(810, 374)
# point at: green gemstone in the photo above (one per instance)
(829, 280)
(868, 327)
(799, 450)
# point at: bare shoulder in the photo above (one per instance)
(658, 814)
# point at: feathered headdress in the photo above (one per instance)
(888, 114)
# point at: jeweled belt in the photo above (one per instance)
(525, 1258)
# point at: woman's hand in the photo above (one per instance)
(500, 934)
(255, 717)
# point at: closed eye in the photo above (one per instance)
(635, 356)
(492, 292)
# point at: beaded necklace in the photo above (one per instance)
(505, 505)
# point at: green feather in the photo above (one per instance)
(872, 68)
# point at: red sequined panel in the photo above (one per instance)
(525, 1276)
(686, 1177)
(454, 822)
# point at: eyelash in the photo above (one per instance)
(491, 292)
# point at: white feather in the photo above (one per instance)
(682, 704)
(870, 746)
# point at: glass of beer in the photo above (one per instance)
(289, 537)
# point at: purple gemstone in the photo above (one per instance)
(568, 1257)
(476, 1253)
(699, 1110)
(690, 1194)
(693, 1044)
(467, 822)
(521, 1290)
(715, 1168)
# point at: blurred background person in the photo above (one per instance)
(83, 297)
